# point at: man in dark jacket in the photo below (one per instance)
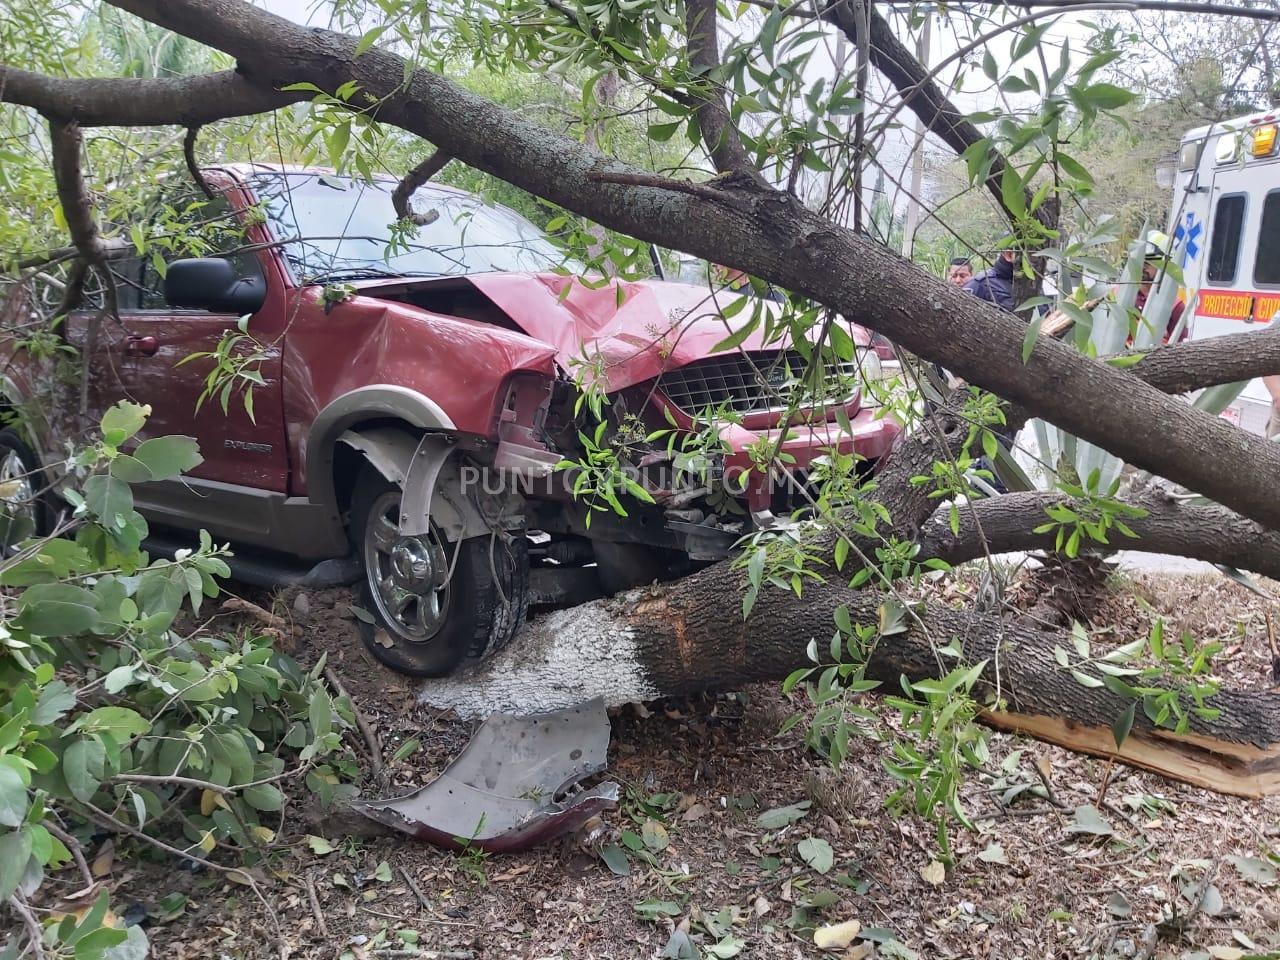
(996, 282)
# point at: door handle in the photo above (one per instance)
(141, 346)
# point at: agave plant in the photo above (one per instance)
(1056, 457)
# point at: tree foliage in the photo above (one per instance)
(118, 712)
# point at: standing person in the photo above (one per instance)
(959, 271)
(1156, 255)
(996, 282)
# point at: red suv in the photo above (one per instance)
(403, 406)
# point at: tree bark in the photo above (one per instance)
(690, 636)
(1206, 532)
(414, 179)
(718, 132)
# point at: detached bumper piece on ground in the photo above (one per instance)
(514, 786)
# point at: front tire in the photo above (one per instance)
(435, 604)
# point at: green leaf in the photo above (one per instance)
(320, 713)
(779, 817)
(654, 835)
(977, 158)
(122, 723)
(134, 947)
(336, 142)
(1013, 191)
(662, 132)
(1073, 168)
(82, 767)
(129, 469)
(264, 796)
(1106, 96)
(1124, 723)
(615, 858)
(1254, 870)
(652, 909)
(55, 700)
(109, 499)
(406, 749)
(1089, 820)
(168, 457)
(123, 420)
(736, 338)
(15, 851)
(989, 66)
(369, 39)
(817, 853)
(1085, 680)
(14, 799)
(94, 946)
(59, 610)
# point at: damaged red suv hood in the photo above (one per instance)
(639, 329)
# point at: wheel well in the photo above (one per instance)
(348, 462)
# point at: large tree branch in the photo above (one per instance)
(127, 102)
(73, 193)
(77, 209)
(1196, 364)
(718, 132)
(690, 636)
(919, 90)
(1172, 526)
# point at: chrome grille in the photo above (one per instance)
(753, 381)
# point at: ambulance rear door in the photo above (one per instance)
(1239, 286)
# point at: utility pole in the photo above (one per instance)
(917, 155)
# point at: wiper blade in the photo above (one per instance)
(355, 273)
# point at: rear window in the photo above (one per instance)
(1266, 268)
(1224, 248)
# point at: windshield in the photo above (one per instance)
(335, 227)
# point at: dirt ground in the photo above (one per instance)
(709, 880)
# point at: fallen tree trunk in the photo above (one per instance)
(690, 636)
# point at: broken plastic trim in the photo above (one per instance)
(514, 786)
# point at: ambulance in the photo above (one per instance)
(1225, 233)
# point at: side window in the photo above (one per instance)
(1224, 247)
(1266, 267)
(218, 233)
(125, 273)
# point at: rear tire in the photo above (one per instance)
(25, 510)
(463, 613)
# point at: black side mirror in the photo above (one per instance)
(211, 283)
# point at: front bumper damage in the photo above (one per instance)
(515, 785)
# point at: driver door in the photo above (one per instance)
(178, 361)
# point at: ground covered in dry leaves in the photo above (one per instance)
(701, 861)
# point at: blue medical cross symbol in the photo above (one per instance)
(1190, 230)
